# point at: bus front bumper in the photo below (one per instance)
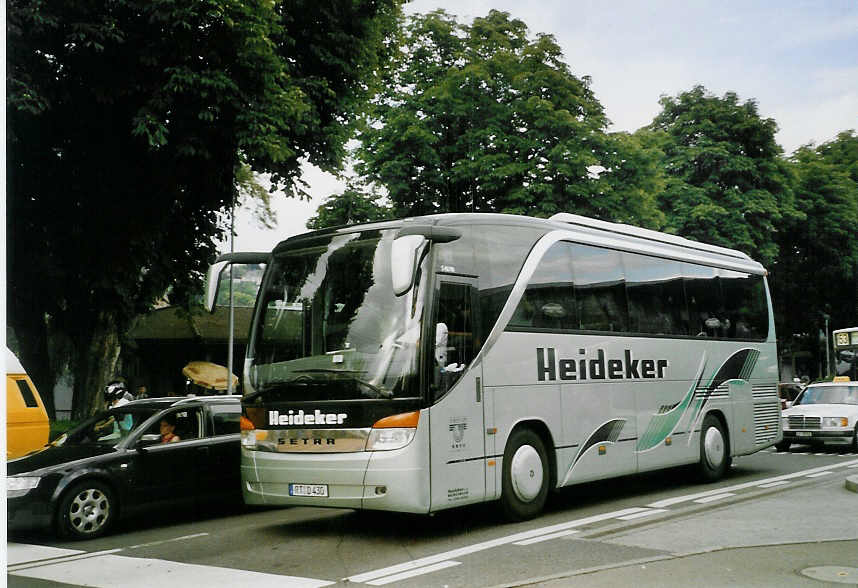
(395, 480)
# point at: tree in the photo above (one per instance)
(484, 118)
(127, 123)
(353, 206)
(726, 182)
(817, 270)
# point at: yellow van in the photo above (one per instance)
(27, 425)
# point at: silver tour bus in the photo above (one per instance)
(426, 363)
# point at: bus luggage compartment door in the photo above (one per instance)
(742, 426)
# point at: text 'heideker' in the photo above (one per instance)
(311, 418)
(548, 367)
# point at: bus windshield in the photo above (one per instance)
(329, 326)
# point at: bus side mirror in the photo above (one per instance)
(408, 244)
(403, 262)
(220, 264)
(212, 283)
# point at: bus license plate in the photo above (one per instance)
(804, 434)
(308, 490)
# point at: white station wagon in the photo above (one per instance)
(825, 413)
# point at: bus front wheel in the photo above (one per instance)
(714, 449)
(525, 476)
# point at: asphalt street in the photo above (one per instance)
(778, 519)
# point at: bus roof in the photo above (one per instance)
(585, 229)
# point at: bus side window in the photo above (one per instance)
(600, 289)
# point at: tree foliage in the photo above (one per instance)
(484, 117)
(354, 205)
(726, 182)
(817, 270)
(127, 123)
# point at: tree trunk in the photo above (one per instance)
(97, 356)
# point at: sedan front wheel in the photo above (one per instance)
(86, 510)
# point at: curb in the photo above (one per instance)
(852, 483)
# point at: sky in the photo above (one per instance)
(797, 59)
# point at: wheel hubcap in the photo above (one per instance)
(713, 447)
(526, 473)
(89, 511)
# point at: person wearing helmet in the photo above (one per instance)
(116, 394)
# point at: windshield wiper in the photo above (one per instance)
(373, 387)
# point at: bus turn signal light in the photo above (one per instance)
(246, 424)
(397, 421)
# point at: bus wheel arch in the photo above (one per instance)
(715, 454)
(529, 471)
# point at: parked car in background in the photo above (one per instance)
(27, 424)
(118, 463)
(824, 413)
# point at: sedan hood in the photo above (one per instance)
(822, 410)
(55, 456)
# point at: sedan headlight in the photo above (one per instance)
(835, 422)
(785, 423)
(20, 485)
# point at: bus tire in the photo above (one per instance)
(714, 450)
(524, 486)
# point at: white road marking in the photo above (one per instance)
(418, 572)
(645, 513)
(690, 497)
(59, 560)
(101, 570)
(714, 498)
(817, 474)
(439, 557)
(773, 484)
(853, 466)
(542, 538)
(18, 553)
(194, 536)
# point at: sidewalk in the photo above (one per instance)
(806, 536)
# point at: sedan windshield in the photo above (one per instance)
(108, 427)
(330, 326)
(829, 395)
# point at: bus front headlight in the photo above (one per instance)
(393, 432)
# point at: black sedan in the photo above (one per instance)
(147, 453)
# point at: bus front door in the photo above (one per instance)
(456, 418)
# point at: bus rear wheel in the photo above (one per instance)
(524, 486)
(714, 449)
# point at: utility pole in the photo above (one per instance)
(229, 389)
(826, 318)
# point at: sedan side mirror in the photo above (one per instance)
(147, 440)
